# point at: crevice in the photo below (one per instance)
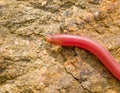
(78, 81)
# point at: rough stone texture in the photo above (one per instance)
(28, 64)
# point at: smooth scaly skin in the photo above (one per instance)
(73, 40)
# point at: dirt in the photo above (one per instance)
(28, 64)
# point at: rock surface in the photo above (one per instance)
(28, 64)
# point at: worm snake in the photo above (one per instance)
(74, 40)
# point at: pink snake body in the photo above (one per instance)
(103, 55)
